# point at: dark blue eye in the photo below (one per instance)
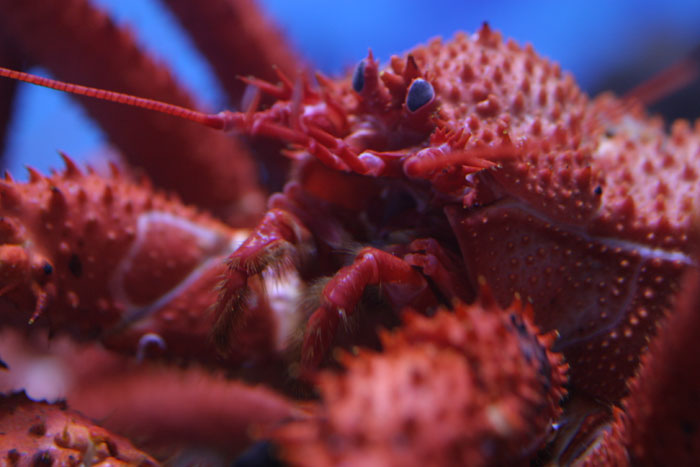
(358, 77)
(419, 93)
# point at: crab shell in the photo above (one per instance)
(580, 207)
(106, 258)
(39, 433)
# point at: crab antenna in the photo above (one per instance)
(215, 121)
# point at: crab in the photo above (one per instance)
(540, 187)
(462, 170)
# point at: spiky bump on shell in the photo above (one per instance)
(582, 217)
(660, 420)
(104, 257)
(39, 433)
(465, 388)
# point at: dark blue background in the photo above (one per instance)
(592, 39)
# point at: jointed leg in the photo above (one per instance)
(280, 240)
(438, 264)
(401, 284)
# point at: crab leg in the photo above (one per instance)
(255, 48)
(103, 258)
(463, 387)
(168, 408)
(438, 264)
(402, 284)
(658, 422)
(96, 52)
(279, 241)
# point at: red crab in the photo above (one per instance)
(468, 161)
(539, 187)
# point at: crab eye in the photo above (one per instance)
(419, 93)
(358, 77)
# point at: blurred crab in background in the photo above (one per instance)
(492, 248)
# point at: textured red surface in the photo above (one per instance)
(108, 258)
(167, 410)
(459, 388)
(662, 394)
(462, 162)
(38, 433)
(552, 197)
(107, 56)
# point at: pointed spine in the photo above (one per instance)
(106, 56)
(72, 170)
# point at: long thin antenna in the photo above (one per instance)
(211, 120)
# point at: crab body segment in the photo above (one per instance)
(499, 158)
